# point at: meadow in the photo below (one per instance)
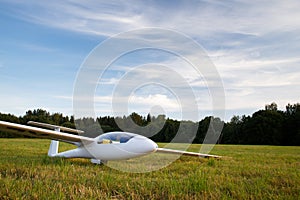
(245, 172)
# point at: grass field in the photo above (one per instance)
(247, 172)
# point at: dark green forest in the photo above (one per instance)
(265, 127)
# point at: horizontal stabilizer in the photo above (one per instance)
(55, 127)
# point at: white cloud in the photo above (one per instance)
(145, 103)
(156, 99)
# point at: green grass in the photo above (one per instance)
(247, 172)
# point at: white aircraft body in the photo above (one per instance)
(108, 146)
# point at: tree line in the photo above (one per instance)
(264, 127)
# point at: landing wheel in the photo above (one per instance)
(98, 162)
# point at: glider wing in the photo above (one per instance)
(42, 133)
(172, 151)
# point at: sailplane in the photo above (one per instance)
(103, 148)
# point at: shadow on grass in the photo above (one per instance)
(65, 162)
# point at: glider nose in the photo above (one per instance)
(144, 145)
(152, 146)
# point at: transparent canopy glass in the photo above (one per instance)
(115, 137)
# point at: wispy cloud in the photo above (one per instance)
(193, 17)
(37, 48)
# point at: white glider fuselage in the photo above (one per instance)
(109, 147)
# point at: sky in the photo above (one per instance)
(254, 46)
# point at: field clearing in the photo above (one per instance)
(246, 172)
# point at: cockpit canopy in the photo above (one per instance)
(115, 137)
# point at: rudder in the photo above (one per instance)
(53, 149)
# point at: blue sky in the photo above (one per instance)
(255, 46)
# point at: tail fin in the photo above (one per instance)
(53, 149)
